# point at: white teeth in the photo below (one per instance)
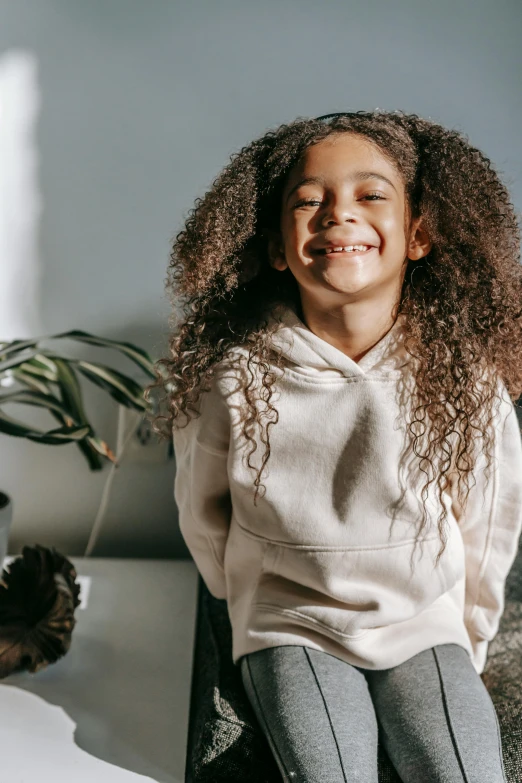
(348, 249)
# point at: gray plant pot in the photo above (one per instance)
(6, 515)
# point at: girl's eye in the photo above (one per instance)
(374, 195)
(306, 202)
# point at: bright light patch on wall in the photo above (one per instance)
(20, 202)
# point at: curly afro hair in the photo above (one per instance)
(461, 312)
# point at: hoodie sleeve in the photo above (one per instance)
(201, 487)
(491, 526)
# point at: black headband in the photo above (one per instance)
(336, 114)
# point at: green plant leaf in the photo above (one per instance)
(91, 446)
(16, 360)
(102, 448)
(42, 396)
(38, 369)
(15, 346)
(27, 379)
(90, 454)
(71, 394)
(41, 367)
(36, 364)
(68, 410)
(137, 355)
(86, 448)
(124, 389)
(11, 426)
(41, 400)
(70, 390)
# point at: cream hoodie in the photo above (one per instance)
(323, 559)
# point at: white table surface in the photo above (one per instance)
(115, 708)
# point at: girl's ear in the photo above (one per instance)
(419, 244)
(276, 252)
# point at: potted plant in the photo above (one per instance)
(46, 379)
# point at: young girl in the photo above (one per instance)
(349, 462)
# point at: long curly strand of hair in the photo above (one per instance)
(462, 307)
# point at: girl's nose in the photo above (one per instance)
(338, 213)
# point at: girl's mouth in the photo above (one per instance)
(344, 253)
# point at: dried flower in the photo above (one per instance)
(38, 596)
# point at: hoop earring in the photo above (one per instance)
(413, 272)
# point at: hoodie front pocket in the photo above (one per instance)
(346, 592)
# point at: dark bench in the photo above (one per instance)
(225, 742)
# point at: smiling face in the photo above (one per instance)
(345, 191)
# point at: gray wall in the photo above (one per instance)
(142, 104)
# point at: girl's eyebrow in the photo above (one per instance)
(356, 175)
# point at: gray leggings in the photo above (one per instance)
(322, 716)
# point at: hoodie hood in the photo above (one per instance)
(315, 356)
